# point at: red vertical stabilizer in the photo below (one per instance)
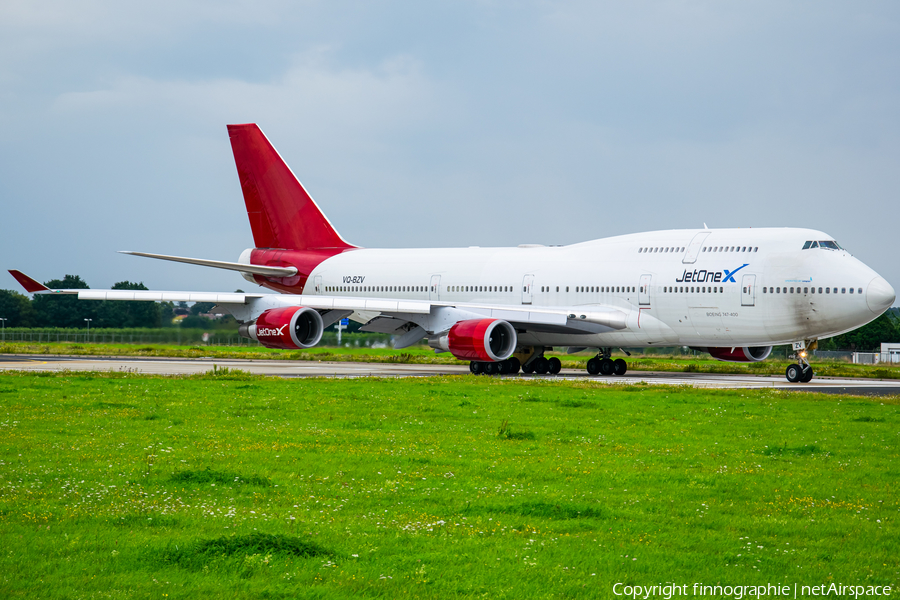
(282, 214)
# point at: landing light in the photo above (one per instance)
(803, 354)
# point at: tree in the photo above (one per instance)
(63, 310)
(125, 313)
(196, 322)
(200, 308)
(16, 308)
(867, 338)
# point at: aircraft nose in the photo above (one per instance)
(879, 295)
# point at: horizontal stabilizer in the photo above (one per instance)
(31, 286)
(263, 270)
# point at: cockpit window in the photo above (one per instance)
(829, 244)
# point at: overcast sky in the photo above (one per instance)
(441, 124)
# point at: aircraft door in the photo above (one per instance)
(318, 284)
(434, 292)
(644, 290)
(527, 282)
(748, 290)
(693, 249)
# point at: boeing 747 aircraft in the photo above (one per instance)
(734, 293)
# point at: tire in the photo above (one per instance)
(593, 366)
(491, 368)
(793, 373)
(503, 367)
(514, 366)
(541, 366)
(475, 367)
(620, 366)
(807, 375)
(607, 367)
(528, 368)
(555, 366)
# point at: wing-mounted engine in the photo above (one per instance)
(291, 328)
(477, 339)
(740, 353)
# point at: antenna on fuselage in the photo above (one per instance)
(704, 226)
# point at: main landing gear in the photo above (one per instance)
(528, 359)
(543, 365)
(509, 366)
(602, 364)
(801, 372)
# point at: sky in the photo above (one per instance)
(423, 124)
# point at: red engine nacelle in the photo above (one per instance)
(741, 353)
(478, 339)
(290, 328)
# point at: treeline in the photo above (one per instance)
(67, 311)
(868, 338)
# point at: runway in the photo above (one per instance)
(284, 368)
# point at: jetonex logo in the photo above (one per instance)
(270, 331)
(702, 276)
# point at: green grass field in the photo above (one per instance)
(228, 485)
(424, 355)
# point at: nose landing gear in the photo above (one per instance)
(802, 371)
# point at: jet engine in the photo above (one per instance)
(483, 340)
(290, 328)
(740, 353)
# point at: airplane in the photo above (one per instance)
(734, 293)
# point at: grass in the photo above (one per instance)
(251, 487)
(425, 355)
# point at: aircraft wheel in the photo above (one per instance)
(528, 368)
(503, 367)
(475, 367)
(514, 365)
(807, 375)
(793, 373)
(593, 366)
(620, 366)
(541, 366)
(491, 368)
(555, 366)
(607, 367)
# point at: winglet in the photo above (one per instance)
(28, 283)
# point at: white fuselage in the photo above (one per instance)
(708, 287)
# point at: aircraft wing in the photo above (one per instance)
(377, 314)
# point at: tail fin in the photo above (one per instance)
(282, 214)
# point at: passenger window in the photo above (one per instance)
(859, 290)
(851, 290)
(827, 290)
(843, 290)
